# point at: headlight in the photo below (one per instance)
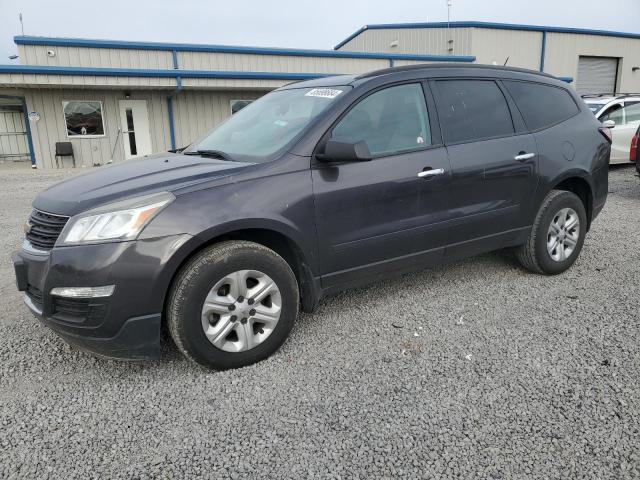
(115, 221)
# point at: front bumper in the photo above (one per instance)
(125, 325)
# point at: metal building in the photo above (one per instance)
(114, 100)
(597, 61)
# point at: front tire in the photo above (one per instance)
(232, 305)
(557, 235)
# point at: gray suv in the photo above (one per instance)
(314, 188)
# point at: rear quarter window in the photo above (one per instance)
(541, 105)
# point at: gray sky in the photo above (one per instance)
(284, 23)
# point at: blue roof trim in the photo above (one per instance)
(187, 47)
(350, 37)
(133, 72)
(499, 26)
(566, 79)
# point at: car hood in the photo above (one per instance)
(164, 172)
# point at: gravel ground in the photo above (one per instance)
(472, 370)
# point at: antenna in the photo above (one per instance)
(21, 24)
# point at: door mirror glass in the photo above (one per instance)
(608, 124)
(335, 151)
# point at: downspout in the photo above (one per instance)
(28, 128)
(172, 132)
(543, 49)
(172, 129)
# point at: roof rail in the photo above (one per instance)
(617, 94)
(421, 66)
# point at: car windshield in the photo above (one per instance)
(267, 125)
(594, 107)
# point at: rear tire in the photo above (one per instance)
(557, 234)
(232, 305)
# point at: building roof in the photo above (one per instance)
(218, 73)
(499, 26)
(191, 47)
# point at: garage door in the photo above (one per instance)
(597, 75)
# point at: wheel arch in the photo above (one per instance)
(271, 236)
(577, 182)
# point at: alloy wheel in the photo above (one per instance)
(241, 310)
(563, 234)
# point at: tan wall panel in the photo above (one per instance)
(276, 63)
(194, 113)
(209, 83)
(522, 48)
(95, 57)
(82, 81)
(401, 63)
(88, 151)
(419, 41)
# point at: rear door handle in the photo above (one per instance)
(431, 173)
(524, 156)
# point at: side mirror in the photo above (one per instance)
(345, 152)
(608, 124)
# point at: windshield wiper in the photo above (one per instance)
(210, 153)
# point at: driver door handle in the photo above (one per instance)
(431, 172)
(524, 156)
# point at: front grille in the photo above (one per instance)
(45, 228)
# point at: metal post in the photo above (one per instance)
(449, 39)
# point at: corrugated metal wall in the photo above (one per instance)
(95, 57)
(563, 50)
(163, 60)
(82, 81)
(522, 48)
(276, 63)
(419, 41)
(51, 127)
(194, 114)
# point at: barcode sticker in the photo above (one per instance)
(323, 92)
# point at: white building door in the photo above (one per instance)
(134, 121)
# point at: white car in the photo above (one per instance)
(624, 111)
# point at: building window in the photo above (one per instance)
(83, 118)
(237, 105)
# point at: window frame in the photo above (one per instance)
(429, 103)
(231, 102)
(519, 128)
(625, 106)
(102, 115)
(567, 92)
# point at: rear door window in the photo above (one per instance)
(541, 105)
(390, 121)
(473, 110)
(632, 113)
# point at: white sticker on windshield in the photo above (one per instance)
(323, 92)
